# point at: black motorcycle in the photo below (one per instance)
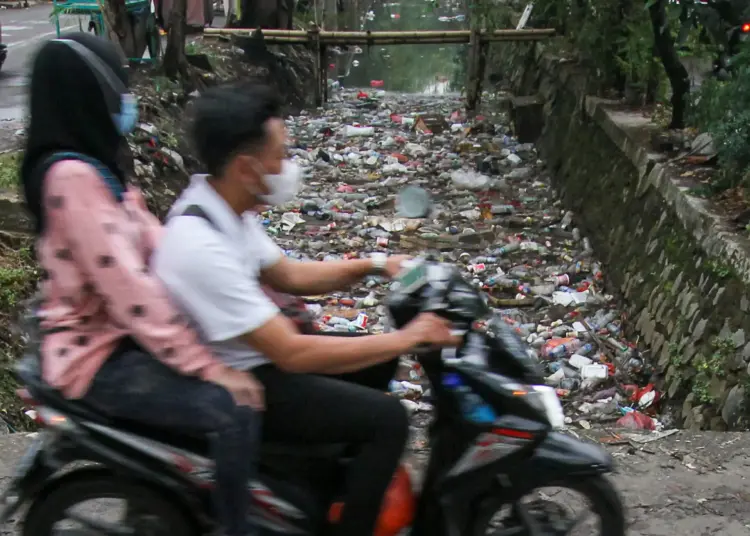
(493, 443)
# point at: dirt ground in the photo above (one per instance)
(685, 484)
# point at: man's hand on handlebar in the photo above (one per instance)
(429, 329)
(395, 264)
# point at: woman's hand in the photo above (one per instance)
(243, 386)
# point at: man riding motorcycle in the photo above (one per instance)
(214, 258)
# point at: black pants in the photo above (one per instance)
(347, 408)
(134, 385)
(326, 409)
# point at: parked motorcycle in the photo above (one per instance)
(493, 443)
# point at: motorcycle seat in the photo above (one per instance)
(29, 373)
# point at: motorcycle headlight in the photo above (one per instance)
(542, 397)
(545, 399)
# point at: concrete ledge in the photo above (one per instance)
(697, 215)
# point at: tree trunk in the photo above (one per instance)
(175, 62)
(624, 10)
(678, 75)
(652, 83)
(110, 10)
(126, 31)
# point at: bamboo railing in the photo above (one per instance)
(384, 38)
(319, 40)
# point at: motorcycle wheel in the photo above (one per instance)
(147, 512)
(601, 496)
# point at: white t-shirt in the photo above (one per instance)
(213, 274)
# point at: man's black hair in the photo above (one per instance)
(230, 118)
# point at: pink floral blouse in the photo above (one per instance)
(97, 287)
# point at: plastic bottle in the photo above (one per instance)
(472, 406)
(601, 319)
(499, 210)
(508, 248)
(503, 282)
(352, 131)
(486, 260)
(563, 350)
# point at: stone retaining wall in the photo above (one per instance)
(684, 275)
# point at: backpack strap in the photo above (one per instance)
(114, 185)
(291, 306)
(198, 212)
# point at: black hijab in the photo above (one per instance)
(71, 111)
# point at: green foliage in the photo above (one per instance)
(635, 53)
(10, 163)
(722, 108)
(491, 15)
(712, 366)
(18, 278)
(614, 37)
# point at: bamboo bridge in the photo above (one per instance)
(319, 40)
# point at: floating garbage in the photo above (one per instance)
(406, 174)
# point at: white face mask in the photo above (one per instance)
(284, 186)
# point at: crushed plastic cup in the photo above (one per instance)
(579, 362)
(361, 321)
(469, 180)
(594, 372)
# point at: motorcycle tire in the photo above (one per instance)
(603, 499)
(50, 508)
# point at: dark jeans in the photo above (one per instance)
(303, 408)
(134, 385)
(347, 408)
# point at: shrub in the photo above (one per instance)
(722, 108)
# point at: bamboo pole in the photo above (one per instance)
(497, 35)
(391, 41)
(472, 72)
(323, 66)
(314, 38)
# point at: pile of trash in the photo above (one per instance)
(411, 174)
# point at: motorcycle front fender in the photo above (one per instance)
(558, 457)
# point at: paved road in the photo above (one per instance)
(23, 31)
(687, 484)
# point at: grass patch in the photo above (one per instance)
(10, 163)
(19, 275)
(712, 366)
(718, 268)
